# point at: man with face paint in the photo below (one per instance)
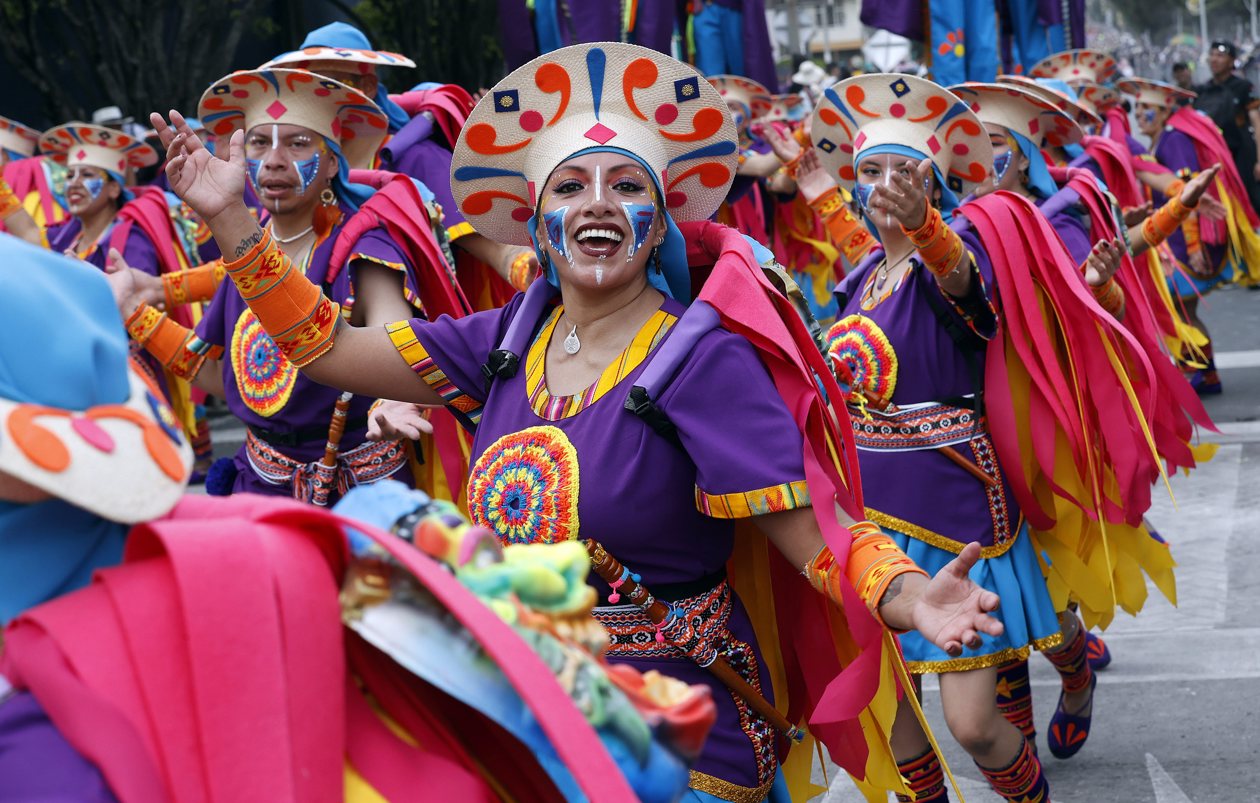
(558, 453)
(1208, 252)
(423, 125)
(370, 248)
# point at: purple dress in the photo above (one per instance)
(548, 469)
(1175, 151)
(899, 349)
(29, 740)
(277, 403)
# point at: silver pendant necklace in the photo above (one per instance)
(571, 343)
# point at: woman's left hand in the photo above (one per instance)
(1103, 262)
(950, 610)
(905, 198)
(395, 420)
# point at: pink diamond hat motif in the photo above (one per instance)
(81, 155)
(600, 133)
(277, 110)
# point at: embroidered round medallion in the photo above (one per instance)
(860, 346)
(524, 488)
(264, 378)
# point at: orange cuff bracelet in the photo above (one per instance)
(299, 317)
(940, 246)
(828, 203)
(1174, 189)
(9, 202)
(523, 271)
(874, 562)
(192, 285)
(1110, 296)
(175, 346)
(1165, 221)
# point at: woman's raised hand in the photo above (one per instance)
(784, 146)
(812, 179)
(209, 184)
(905, 198)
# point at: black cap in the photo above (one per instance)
(1225, 47)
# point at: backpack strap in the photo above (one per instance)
(506, 359)
(699, 319)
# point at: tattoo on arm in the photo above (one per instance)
(894, 590)
(249, 242)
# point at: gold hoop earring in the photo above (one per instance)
(327, 197)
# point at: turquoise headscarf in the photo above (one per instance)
(674, 279)
(348, 37)
(72, 360)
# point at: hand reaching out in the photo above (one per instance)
(812, 179)
(1103, 262)
(784, 147)
(209, 184)
(1194, 194)
(904, 198)
(394, 420)
(1134, 215)
(952, 611)
(132, 287)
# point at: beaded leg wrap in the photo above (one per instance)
(1022, 780)
(927, 781)
(1068, 732)
(1014, 697)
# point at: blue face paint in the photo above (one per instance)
(307, 169)
(1148, 116)
(94, 186)
(640, 217)
(1001, 163)
(863, 193)
(554, 221)
(253, 166)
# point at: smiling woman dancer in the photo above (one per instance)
(572, 152)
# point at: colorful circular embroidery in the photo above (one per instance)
(264, 378)
(524, 488)
(858, 344)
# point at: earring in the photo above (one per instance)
(327, 197)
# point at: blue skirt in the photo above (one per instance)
(1025, 609)
(1184, 284)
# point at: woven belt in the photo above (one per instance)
(915, 427)
(632, 635)
(362, 465)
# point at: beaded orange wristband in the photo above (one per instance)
(874, 562)
(9, 202)
(1110, 296)
(940, 246)
(828, 203)
(301, 320)
(176, 347)
(1158, 227)
(192, 285)
(523, 271)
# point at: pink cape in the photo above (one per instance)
(211, 666)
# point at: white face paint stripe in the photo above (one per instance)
(275, 137)
(599, 185)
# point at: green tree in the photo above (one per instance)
(450, 42)
(136, 54)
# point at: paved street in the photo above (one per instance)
(1177, 715)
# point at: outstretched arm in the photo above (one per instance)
(305, 325)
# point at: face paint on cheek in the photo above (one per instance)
(1001, 163)
(94, 186)
(253, 166)
(640, 217)
(1148, 116)
(554, 221)
(863, 193)
(307, 169)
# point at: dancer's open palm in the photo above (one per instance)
(209, 184)
(953, 611)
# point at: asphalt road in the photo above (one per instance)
(1177, 714)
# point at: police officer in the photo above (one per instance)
(1229, 100)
